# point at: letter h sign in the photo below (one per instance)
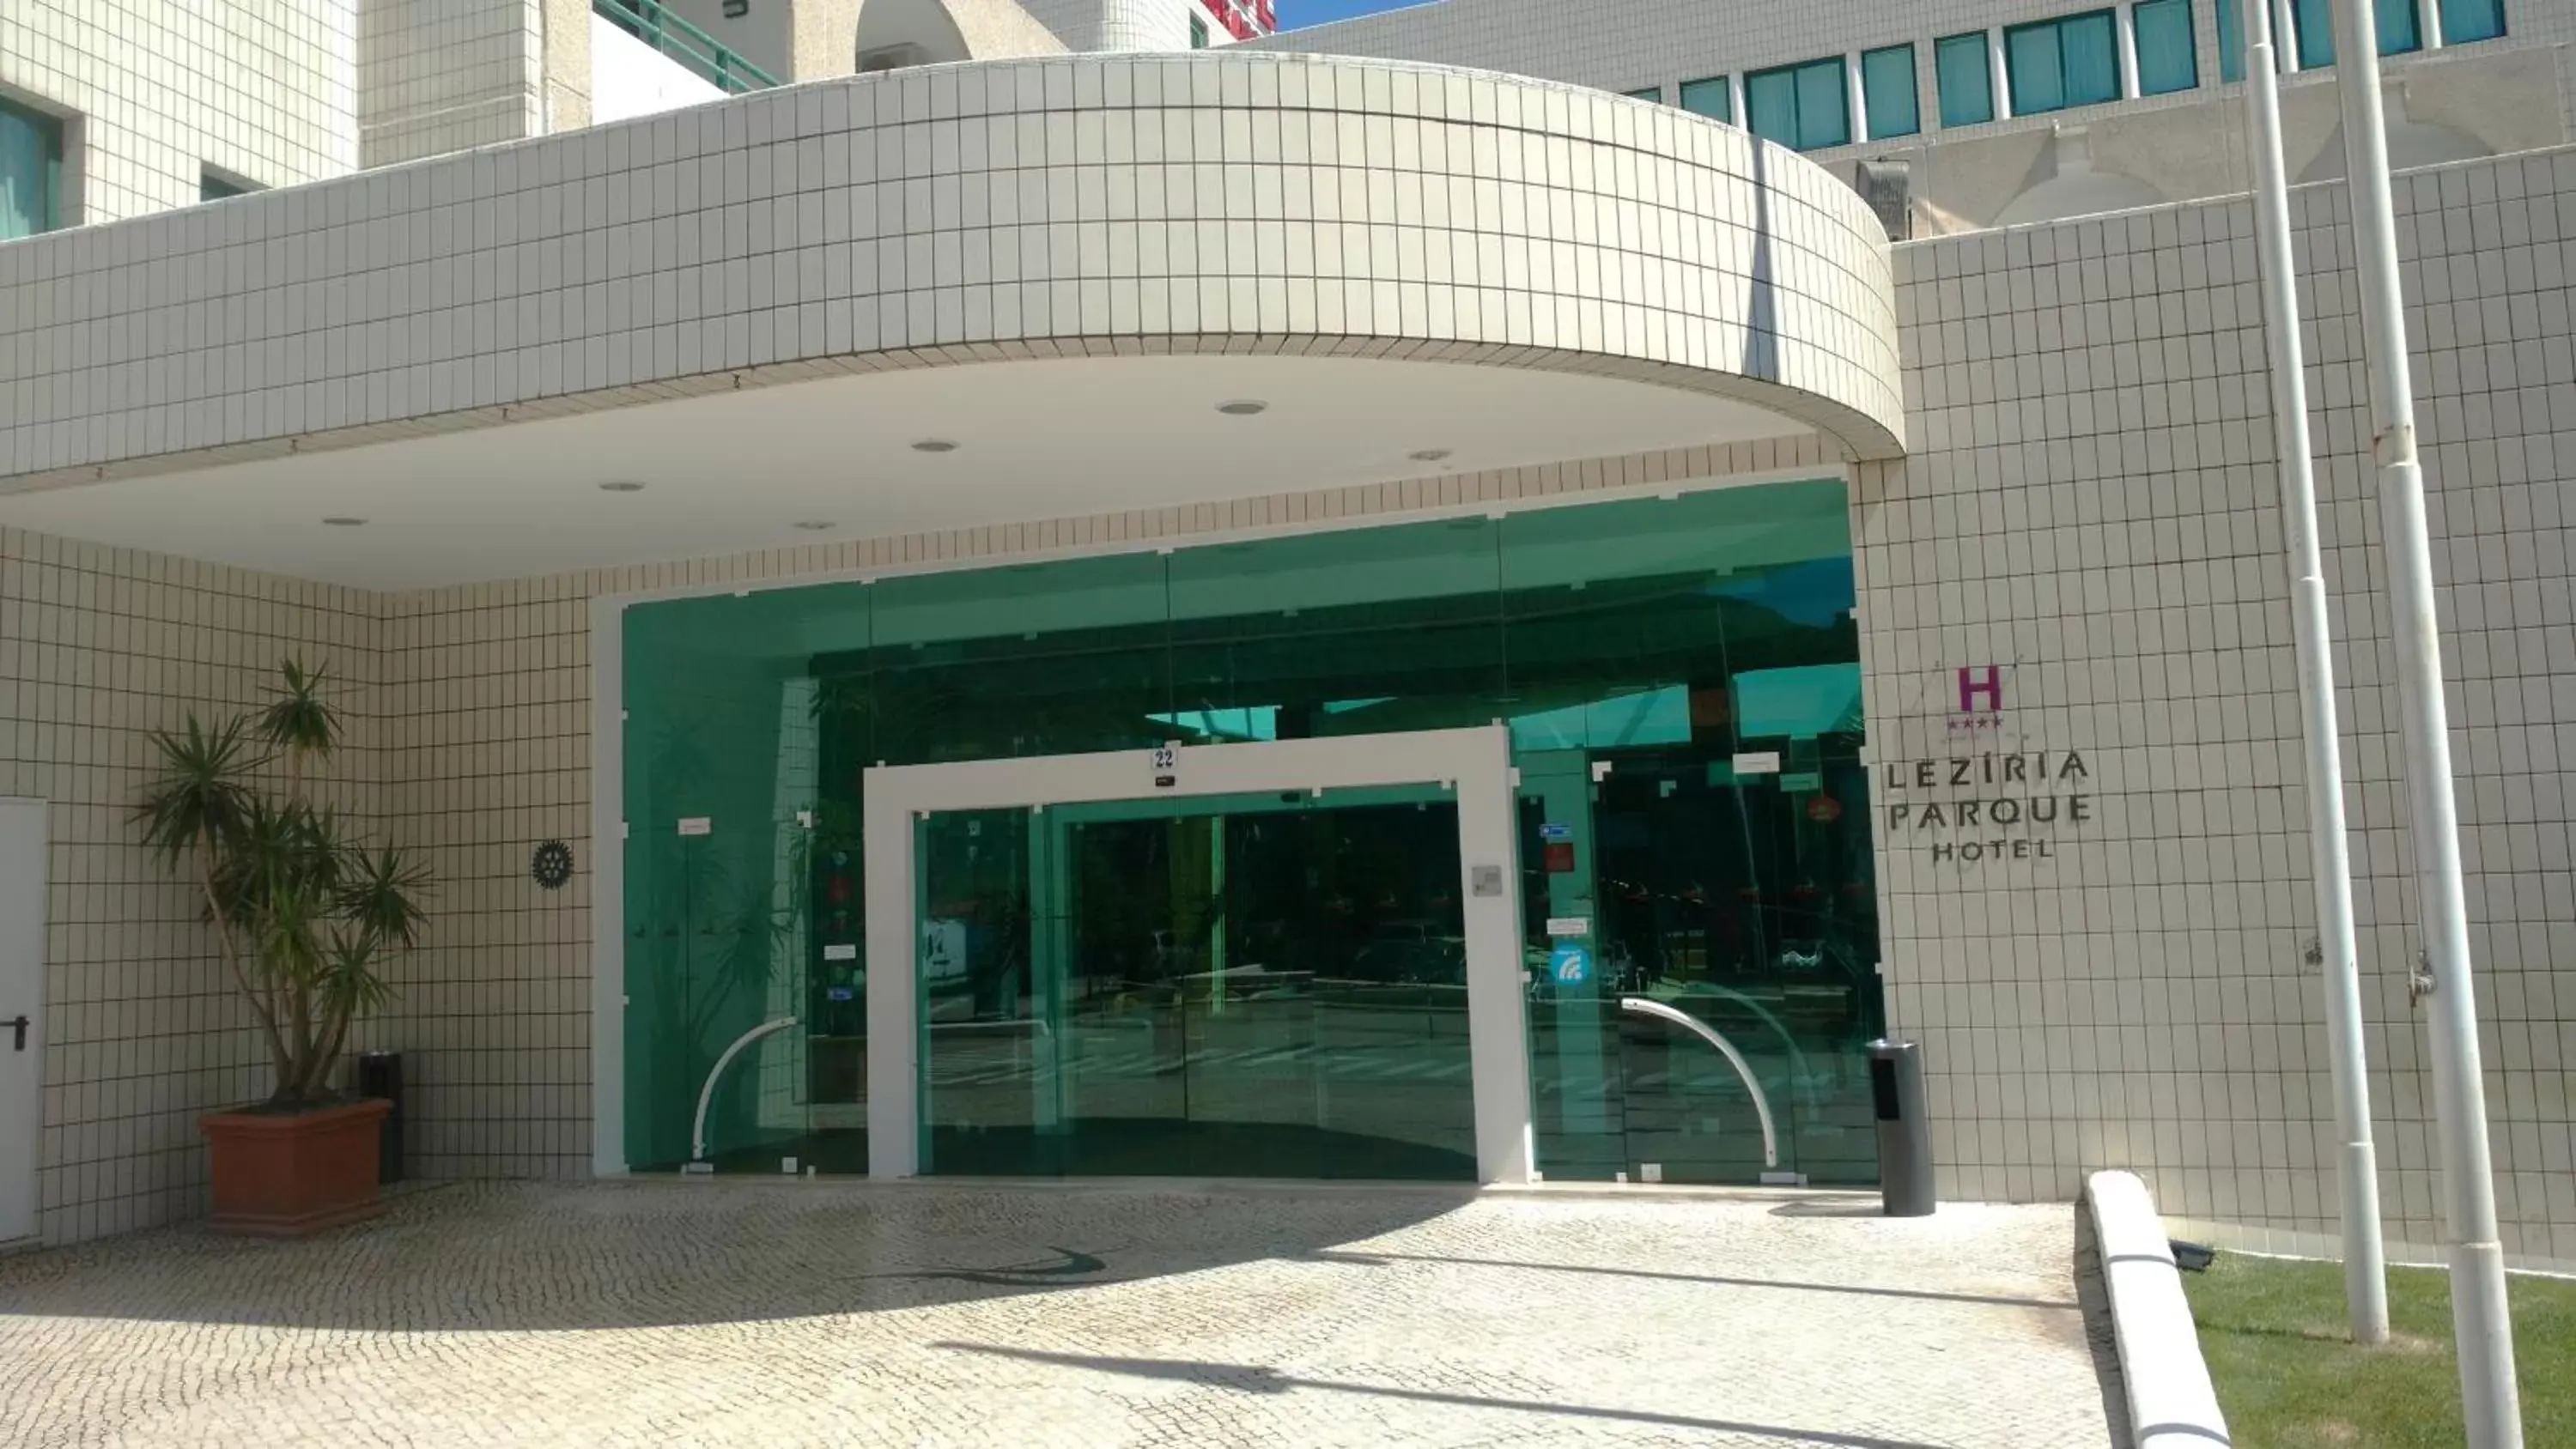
(1986, 680)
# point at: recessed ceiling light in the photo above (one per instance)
(934, 445)
(814, 525)
(1243, 408)
(1429, 455)
(621, 485)
(346, 522)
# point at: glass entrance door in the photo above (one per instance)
(1262, 985)
(1277, 959)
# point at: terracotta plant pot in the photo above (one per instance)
(290, 1175)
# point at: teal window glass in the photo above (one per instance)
(2231, 43)
(1709, 97)
(2315, 19)
(1198, 33)
(31, 171)
(1804, 107)
(2070, 61)
(211, 187)
(1967, 85)
(1646, 93)
(2400, 29)
(1888, 92)
(2467, 20)
(2166, 59)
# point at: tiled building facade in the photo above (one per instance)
(2083, 516)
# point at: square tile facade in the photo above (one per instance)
(263, 90)
(2092, 508)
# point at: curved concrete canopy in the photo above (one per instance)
(1231, 205)
(2411, 146)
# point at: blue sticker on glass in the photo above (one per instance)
(1570, 964)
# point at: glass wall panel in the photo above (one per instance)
(1633, 648)
(1967, 87)
(2315, 21)
(2167, 60)
(1267, 986)
(2231, 43)
(1888, 92)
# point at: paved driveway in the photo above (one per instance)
(773, 1313)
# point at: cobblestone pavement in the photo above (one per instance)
(752, 1312)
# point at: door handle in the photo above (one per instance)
(18, 1029)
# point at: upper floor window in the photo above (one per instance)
(31, 171)
(1646, 93)
(1803, 106)
(2400, 30)
(1709, 97)
(2167, 61)
(1198, 32)
(1961, 73)
(1888, 93)
(2467, 20)
(2231, 43)
(2073, 60)
(211, 187)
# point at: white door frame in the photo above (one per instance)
(22, 1069)
(1475, 763)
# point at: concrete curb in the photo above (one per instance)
(2171, 1405)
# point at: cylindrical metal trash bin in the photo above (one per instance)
(380, 1075)
(1904, 1132)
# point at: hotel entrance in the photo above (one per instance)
(1167, 861)
(1288, 959)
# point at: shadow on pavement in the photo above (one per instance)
(1992, 1300)
(490, 1257)
(1255, 1378)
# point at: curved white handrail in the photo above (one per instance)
(1707, 1033)
(706, 1094)
(1799, 1076)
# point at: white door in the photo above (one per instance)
(1475, 764)
(22, 1010)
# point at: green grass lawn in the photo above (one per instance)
(2289, 1378)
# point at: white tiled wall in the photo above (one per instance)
(99, 648)
(262, 89)
(2091, 505)
(436, 76)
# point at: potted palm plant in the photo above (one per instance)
(306, 914)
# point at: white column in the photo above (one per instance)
(2285, 16)
(894, 1122)
(2479, 1324)
(2125, 25)
(1855, 98)
(2428, 23)
(1997, 76)
(1497, 982)
(1735, 102)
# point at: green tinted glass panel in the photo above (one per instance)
(2231, 43)
(1709, 97)
(211, 187)
(1233, 986)
(2467, 20)
(31, 171)
(2400, 30)
(1888, 92)
(1631, 648)
(1967, 90)
(2166, 59)
(1645, 93)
